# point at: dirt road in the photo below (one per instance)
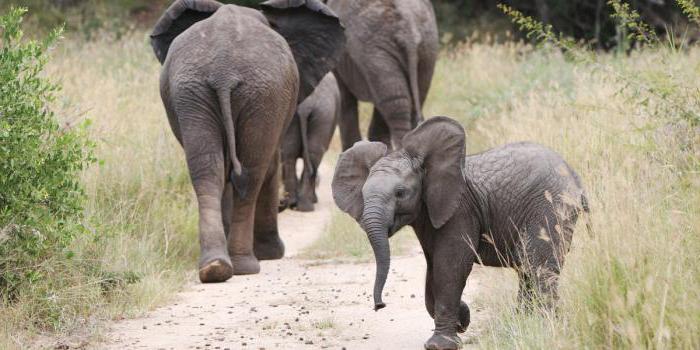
(304, 304)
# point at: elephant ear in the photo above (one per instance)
(350, 175)
(314, 34)
(438, 144)
(181, 15)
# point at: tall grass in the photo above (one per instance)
(140, 194)
(628, 125)
(140, 211)
(634, 282)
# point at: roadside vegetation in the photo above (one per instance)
(135, 239)
(627, 121)
(630, 125)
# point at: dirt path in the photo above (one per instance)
(301, 304)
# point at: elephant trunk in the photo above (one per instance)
(374, 224)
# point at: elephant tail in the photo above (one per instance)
(304, 129)
(417, 114)
(239, 176)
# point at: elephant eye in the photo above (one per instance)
(400, 193)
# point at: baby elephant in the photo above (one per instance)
(307, 138)
(513, 206)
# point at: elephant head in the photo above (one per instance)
(314, 33)
(384, 192)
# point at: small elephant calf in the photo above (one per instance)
(308, 137)
(512, 206)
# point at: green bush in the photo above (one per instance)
(41, 198)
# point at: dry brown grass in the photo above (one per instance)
(634, 282)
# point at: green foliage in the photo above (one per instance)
(690, 9)
(41, 198)
(536, 30)
(630, 26)
(668, 97)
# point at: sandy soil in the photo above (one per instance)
(304, 304)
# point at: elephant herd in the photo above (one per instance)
(246, 90)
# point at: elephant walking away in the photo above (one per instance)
(512, 206)
(231, 80)
(308, 137)
(391, 50)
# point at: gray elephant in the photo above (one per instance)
(391, 50)
(231, 80)
(308, 137)
(512, 206)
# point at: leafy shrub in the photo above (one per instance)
(41, 198)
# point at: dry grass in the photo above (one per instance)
(140, 209)
(628, 125)
(634, 282)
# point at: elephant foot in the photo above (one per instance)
(268, 247)
(245, 265)
(463, 317)
(283, 205)
(215, 270)
(443, 342)
(305, 206)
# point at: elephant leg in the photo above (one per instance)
(525, 290)
(318, 137)
(268, 244)
(259, 133)
(541, 259)
(426, 68)
(240, 239)
(257, 159)
(378, 129)
(307, 191)
(448, 284)
(316, 155)
(537, 287)
(392, 99)
(547, 282)
(306, 188)
(429, 294)
(396, 111)
(290, 151)
(205, 161)
(349, 123)
(464, 317)
(289, 178)
(227, 207)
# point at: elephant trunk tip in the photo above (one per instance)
(379, 305)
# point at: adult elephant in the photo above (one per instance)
(390, 55)
(231, 80)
